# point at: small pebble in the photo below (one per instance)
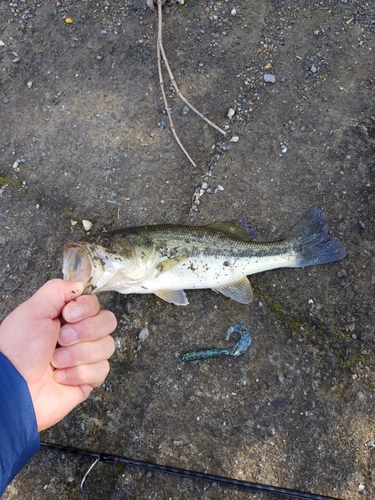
(313, 69)
(233, 12)
(143, 334)
(87, 225)
(185, 110)
(2, 44)
(362, 224)
(269, 78)
(30, 84)
(235, 138)
(231, 113)
(342, 273)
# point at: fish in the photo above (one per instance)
(167, 259)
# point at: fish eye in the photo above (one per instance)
(105, 241)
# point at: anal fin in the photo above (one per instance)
(239, 291)
(177, 297)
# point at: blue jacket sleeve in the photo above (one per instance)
(19, 437)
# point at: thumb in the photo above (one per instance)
(28, 335)
(49, 300)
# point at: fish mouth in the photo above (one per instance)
(77, 264)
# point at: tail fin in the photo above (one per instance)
(311, 241)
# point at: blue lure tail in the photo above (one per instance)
(311, 241)
(243, 344)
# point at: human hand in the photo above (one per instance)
(59, 378)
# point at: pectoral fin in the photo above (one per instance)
(166, 264)
(177, 297)
(240, 291)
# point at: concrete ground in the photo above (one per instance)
(83, 136)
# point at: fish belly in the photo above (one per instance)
(211, 272)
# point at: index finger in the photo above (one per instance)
(83, 307)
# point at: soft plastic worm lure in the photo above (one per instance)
(240, 348)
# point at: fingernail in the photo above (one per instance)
(60, 357)
(72, 312)
(67, 335)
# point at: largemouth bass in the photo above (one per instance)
(166, 259)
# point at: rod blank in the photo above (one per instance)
(107, 458)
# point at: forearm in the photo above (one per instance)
(19, 438)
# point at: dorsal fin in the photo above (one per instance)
(240, 229)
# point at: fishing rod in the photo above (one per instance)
(227, 481)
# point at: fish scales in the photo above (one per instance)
(172, 240)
